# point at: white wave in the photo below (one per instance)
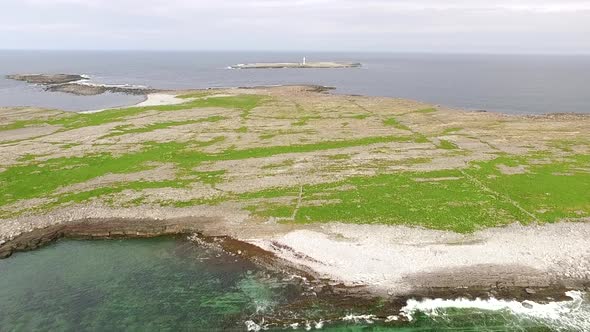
(84, 79)
(369, 319)
(392, 318)
(319, 325)
(124, 86)
(309, 325)
(564, 315)
(253, 326)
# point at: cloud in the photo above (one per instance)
(32, 27)
(312, 5)
(325, 24)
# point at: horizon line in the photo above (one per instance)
(292, 51)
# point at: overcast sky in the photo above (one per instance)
(482, 26)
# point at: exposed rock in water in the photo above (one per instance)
(93, 89)
(76, 84)
(47, 79)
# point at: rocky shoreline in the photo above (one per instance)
(85, 89)
(112, 228)
(78, 84)
(47, 79)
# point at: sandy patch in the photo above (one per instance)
(157, 99)
(152, 99)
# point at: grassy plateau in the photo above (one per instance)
(300, 157)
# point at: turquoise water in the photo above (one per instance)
(170, 284)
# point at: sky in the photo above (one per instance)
(453, 26)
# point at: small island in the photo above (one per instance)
(47, 79)
(303, 64)
(77, 84)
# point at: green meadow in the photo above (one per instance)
(543, 188)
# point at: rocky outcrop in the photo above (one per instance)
(97, 89)
(78, 84)
(47, 79)
(100, 228)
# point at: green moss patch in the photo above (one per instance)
(41, 179)
(447, 145)
(393, 122)
(243, 102)
(456, 200)
(123, 130)
(550, 191)
(20, 124)
(426, 110)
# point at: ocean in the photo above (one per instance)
(515, 84)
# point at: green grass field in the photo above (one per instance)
(457, 200)
(543, 187)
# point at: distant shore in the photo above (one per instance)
(278, 65)
(79, 85)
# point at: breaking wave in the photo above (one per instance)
(121, 86)
(572, 315)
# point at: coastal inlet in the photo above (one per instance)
(181, 284)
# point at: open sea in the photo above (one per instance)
(530, 84)
(171, 284)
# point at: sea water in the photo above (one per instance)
(174, 284)
(531, 84)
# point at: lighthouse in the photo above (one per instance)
(303, 63)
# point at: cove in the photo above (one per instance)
(172, 284)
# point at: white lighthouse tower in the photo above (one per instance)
(304, 60)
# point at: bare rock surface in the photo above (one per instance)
(398, 259)
(78, 84)
(97, 89)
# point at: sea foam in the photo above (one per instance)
(561, 316)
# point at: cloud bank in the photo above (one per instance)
(517, 26)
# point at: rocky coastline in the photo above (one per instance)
(78, 84)
(81, 89)
(332, 291)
